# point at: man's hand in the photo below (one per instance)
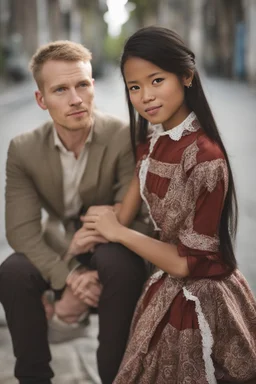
(98, 209)
(70, 307)
(83, 241)
(85, 285)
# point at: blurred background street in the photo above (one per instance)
(222, 35)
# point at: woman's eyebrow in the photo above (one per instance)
(149, 76)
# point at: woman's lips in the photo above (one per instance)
(152, 110)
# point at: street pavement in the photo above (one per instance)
(234, 107)
(73, 362)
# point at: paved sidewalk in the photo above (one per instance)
(73, 362)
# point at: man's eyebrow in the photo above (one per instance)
(62, 85)
(149, 76)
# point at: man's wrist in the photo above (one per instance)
(58, 293)
(69, 256)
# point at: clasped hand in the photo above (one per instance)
(83, 290)
(87, 237)
(104, 223)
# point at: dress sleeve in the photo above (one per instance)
(198, 237)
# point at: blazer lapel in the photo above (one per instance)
(90, 179)
(55, 171)
(92, 173)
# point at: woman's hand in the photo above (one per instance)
(105, 223)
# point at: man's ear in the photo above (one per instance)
(188, 78)
(40, 100)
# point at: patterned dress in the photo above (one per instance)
(200, 329)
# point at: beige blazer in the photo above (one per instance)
(34, 182)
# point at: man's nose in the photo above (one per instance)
(75, 99)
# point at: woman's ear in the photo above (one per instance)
(188, 79)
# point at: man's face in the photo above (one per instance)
(67, 92)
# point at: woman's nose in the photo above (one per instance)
(147, 97)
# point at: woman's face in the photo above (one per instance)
(157, 95)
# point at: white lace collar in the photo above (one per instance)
(177, 132)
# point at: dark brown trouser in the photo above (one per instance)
(122, 274)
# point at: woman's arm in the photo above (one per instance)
(131, 203)
(164, 256)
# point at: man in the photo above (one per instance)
(80, 160)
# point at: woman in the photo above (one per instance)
(196, 320)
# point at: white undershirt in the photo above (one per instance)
(72, 172)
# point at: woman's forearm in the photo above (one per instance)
(131, 203)
(164, 256)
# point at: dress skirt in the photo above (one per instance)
(188, 331)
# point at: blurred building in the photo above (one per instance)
(222, 33)
(26, 24)
(230, 35)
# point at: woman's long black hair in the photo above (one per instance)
(165, 49)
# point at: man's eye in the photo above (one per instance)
(158, 80)
(59, 90)
(83, 85)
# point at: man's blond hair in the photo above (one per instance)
(62, 50)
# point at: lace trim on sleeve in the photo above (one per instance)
(194, 240)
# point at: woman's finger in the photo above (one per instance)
(83, 232)
(89, 218)
(89, 225)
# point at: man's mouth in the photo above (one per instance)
(77, 113)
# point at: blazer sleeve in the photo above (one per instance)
(23, 222)
(125, 165)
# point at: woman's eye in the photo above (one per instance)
(134, 88)
(158, 80)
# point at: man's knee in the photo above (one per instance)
(16, 270)
(15, 266)
(115, 260)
